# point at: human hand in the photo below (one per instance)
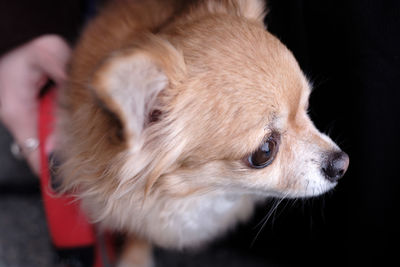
(23, 73)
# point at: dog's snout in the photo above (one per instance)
(335, 166)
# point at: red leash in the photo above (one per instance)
(74, 238)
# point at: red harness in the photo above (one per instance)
(75, 239)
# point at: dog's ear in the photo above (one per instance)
(252, 9)
(128, 82)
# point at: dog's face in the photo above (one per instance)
(245, 115)
(236, 116)
(208, 106)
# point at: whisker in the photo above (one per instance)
(280, 212)
(268, 213)
(308, 183)
(294, 202)
(322, 207)
(267, 217)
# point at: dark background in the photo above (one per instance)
(350, 50)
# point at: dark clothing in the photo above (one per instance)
(23, 20)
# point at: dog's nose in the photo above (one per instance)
(335, 166)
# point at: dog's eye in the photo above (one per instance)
(265, 154)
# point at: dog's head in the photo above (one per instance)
(218, 102)
(211, 103)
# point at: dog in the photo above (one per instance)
(179, 116)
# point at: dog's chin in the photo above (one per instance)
(316, 189)
(310, 188)
(306, 187)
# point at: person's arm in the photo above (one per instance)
(34, 48)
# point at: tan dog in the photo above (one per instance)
(181, 115)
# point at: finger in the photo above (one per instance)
(23, 128)
(52, 56)
(33, 160)
(23, 133)
(20, 117)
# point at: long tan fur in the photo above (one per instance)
(165, 103)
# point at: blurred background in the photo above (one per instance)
(350, 50)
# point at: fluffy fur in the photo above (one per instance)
(166, 101)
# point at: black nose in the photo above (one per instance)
(335, 166)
